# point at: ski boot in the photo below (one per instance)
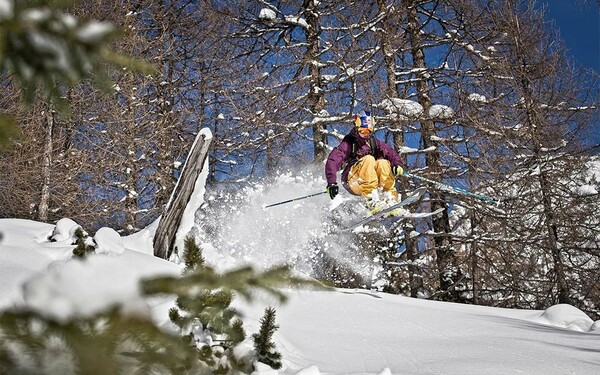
(375, 205)
(390, 200)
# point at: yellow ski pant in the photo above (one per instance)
(368, 174)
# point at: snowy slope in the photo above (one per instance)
(339, 332)
(362, 332)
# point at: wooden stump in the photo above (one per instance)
(164, 239)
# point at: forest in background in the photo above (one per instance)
(480, 94)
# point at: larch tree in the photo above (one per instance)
(534, 112)
(295, 73)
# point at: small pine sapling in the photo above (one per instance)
(204, 316)
(192, 258)
(82, 249)
(263, 344)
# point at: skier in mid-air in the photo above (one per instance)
(370, 166)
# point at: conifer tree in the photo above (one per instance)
(205, 318)
(193, 258)
(263, 344)
(82, 249)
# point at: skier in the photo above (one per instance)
(369, 166)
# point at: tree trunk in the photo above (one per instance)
(448, 272)
(46, 166)
(392, 91)
(559, 269)
(164, 239)
(533, 121)
(316, 97)
(131, 199)
(474, 262)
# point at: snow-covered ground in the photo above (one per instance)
(339, 332)
(345, 331)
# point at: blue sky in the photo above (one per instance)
(579, 27)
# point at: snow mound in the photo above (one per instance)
(142, 241)
(64, 231)
(82, 288)
(567, 316)
(310, 370)
(108, 241)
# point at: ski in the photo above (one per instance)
(416, 215)
(412, 198)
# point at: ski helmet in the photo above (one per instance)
(364, 120)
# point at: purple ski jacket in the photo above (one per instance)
(341, 156)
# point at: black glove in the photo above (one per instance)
(333, 190)
(397, 170)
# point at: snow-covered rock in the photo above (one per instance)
(82, 288)
(79, 288)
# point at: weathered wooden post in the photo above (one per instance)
(164, 239)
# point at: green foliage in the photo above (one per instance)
(111, 342)
(263, 344)
(8, 131)
(82, 249)
(203, 312)
(44, 47)
(205, 318)
(47, 49)
(242, 281)
(104, 343)
(193, 255)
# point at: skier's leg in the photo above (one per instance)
(386, 178)
(362, 178)
(387, 182)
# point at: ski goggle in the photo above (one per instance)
(364, 131)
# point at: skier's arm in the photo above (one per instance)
(335, 160)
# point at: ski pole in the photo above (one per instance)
(295, 199)
(454, 188)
